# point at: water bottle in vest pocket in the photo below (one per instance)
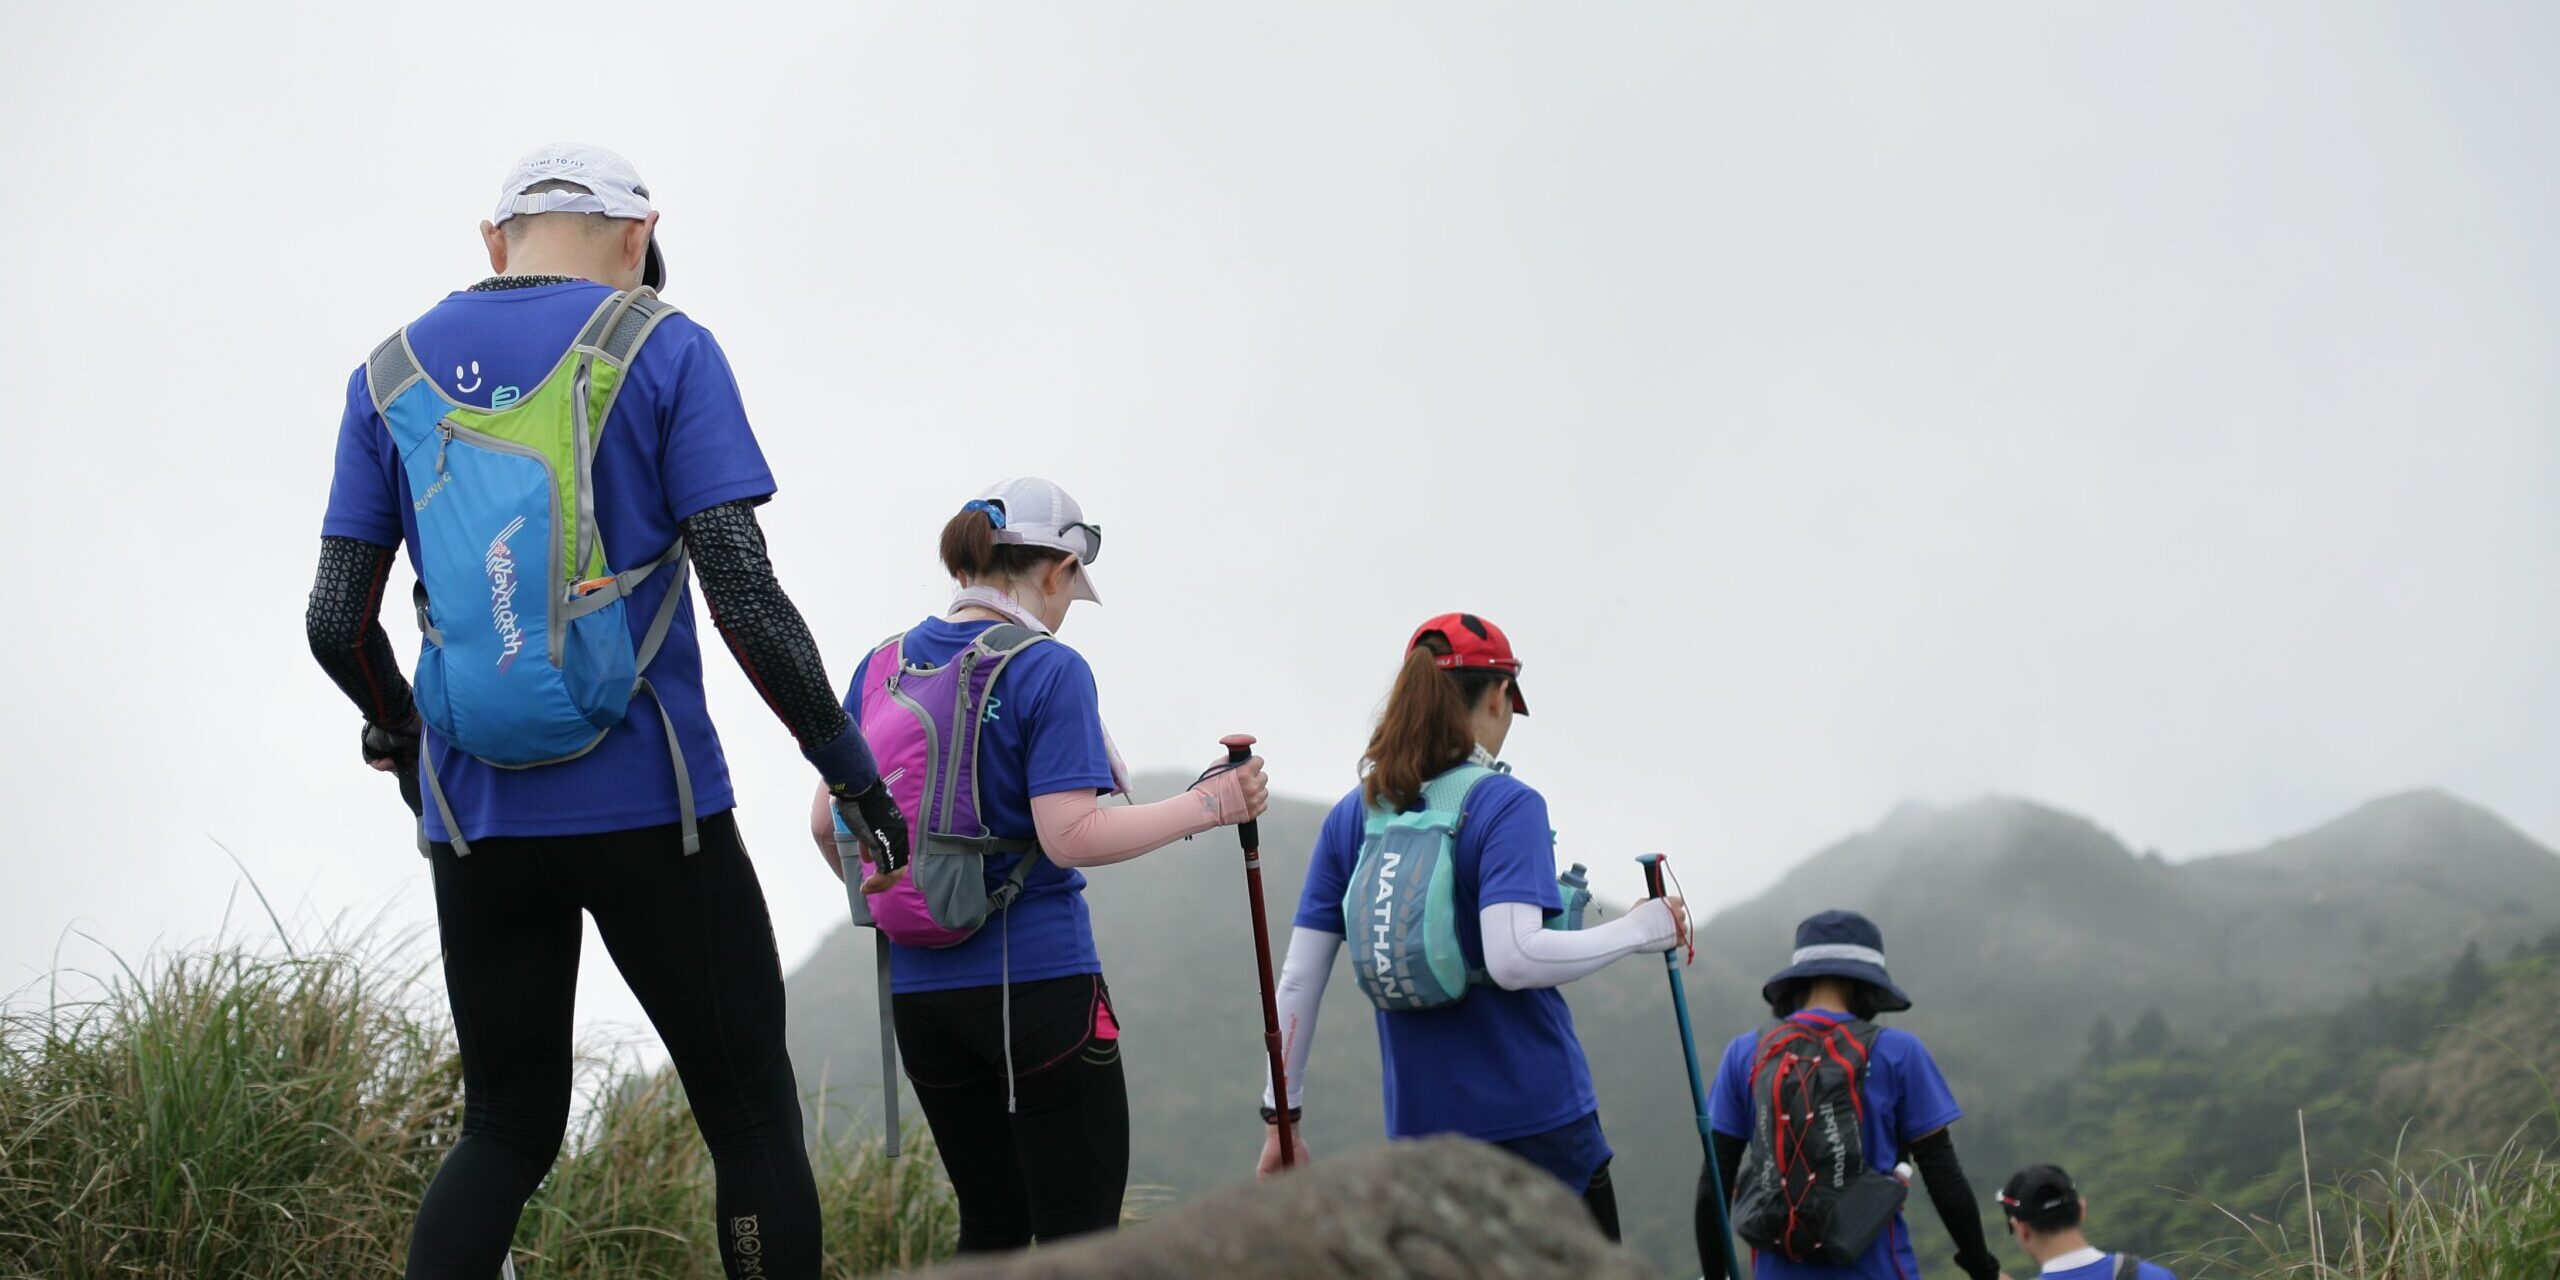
(1400, 908)
(923, 725)
(1573, 889)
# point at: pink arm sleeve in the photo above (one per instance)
(1077, 831)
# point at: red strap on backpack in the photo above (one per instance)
(1830, 1042)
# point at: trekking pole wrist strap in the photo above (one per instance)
(1271, 1115)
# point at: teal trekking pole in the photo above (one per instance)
(1652, 864)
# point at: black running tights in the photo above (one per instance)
(1601, 1198)
(691, 936)
(1058, 1164)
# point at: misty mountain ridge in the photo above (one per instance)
(2014, 926)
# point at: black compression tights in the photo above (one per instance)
(691, 936)
(1058, 1164)
(1601, 1198)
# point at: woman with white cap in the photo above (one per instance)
(1001, 1012)
(1805, 1217)
(1486, 1049)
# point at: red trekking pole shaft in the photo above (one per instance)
(1240, 749)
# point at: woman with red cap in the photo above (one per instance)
(1489, 1051)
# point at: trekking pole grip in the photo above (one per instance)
(1240, 749)
(1652, 864)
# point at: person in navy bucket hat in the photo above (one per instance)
(1840, 944)
(1823, 1005)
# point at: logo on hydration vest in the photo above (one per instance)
(500, 565)
(1381, 962)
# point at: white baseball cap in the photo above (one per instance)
(613, 188)
(1032, 512)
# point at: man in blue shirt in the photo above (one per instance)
(517, 853)
(2045, 1211)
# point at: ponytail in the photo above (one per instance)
(1427, 728)
(970, 550)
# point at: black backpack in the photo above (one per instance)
(1806, 1192)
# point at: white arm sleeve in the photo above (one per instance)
(1520, 952)
(1302, 978)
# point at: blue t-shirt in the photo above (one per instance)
(1907, 1099)
(1498, 1064)
(2105, 1269)
(676, 444)
(1043, 735)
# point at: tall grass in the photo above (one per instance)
(227, 1111)
(2494, 1217)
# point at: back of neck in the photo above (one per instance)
(2060, 1244)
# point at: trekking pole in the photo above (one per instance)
(1652, 864)
(849, 855)
(1240, 749)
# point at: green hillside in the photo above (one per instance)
(2411, 1073)
(2014, 925)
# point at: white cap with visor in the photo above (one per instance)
(613, 188)
(1031, 512)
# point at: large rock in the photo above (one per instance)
(1443, 1209)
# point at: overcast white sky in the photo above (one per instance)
(2144, 408)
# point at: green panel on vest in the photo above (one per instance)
(545, 422)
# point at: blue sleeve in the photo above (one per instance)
(2154, 1271)
(707, 454)
(1329, 871)
(364, 489)
(1516, 849)
(1064, 749)
(1729, 1099)
(1924, 1103)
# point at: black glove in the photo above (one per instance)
(400, 747)
(873, 815)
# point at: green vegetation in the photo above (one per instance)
(2483, 1218)
(2423, 1111)
(2014, 926)
(226, 1112)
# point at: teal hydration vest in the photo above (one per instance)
(1400, 910)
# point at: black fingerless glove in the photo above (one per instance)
(400, 747)
(873, 815)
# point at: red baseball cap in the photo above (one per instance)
(1474, 644)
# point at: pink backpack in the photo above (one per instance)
(923, 725)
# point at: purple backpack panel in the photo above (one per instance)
(923, 725)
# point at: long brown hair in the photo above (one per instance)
(1427, 728)
(969, 548)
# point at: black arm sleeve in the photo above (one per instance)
(344, 625)
(1711, 1217)
(1948, 1190)
(764, 629)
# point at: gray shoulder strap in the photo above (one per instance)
(615, 332)
(2127, 1266)
(1009, 638)
(390, 370)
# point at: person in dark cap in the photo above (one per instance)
(2045, 1211)
(1806, 1215)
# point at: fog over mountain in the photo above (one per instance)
(2014, 926)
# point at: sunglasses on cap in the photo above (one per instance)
(1092, 540)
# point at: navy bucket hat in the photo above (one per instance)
(1840, 944)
